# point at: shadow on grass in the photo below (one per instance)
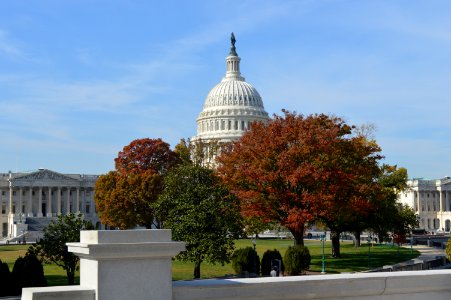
(58, 280)
(360, 259)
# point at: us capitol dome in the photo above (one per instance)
(231, 105)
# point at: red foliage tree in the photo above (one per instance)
(143, 155)
(126, 197)
(297, 169)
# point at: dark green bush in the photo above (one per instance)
(297, 260)
(28, 272)
(268, 257)
(246, 259)
(6, 282)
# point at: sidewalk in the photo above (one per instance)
(429, 253)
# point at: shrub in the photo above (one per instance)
(246, 259)
(297, 259)
(28, 272)
(5, 280)
(268, 257)
(448, 249)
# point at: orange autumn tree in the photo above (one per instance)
(295, 169)
(126, 197)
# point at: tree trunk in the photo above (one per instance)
(381, 237)
(357, 238)
(197, 269)
(70, 276)
(335, 237)
(298, 234)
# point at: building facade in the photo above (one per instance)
(230, 106)
(431, 201)
(33, 196)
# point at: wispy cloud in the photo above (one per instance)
(7, 47)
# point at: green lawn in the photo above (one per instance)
(352, 260)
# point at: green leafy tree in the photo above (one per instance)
(201, 212)
(387, 215)
(52, 247)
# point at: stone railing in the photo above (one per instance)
(136, 264)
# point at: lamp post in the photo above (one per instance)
(369, 251)
(411, 243)
(323, 268)
(254, 243)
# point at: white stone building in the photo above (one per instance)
(230, 107)
(431, 201)
(40, 196)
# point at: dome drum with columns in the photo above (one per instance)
(231, 106)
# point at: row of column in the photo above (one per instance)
(49, 201)
(222, 124)
(444, 198)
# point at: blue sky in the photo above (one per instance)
(79, 79)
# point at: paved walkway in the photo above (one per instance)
(429, 253)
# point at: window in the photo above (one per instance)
(14, 193)
(87, 208)
(3, 208)
(3, 193)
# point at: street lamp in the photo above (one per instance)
(369, 251)
(254, 243)
(323, 268)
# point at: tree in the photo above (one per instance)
(387, 215)
(127, 196)
(403, 223)
(295, 169)
(200, 211)
(126, 201)
(143, 155)
(52, 247)
(198, 152)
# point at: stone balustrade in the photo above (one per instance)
(136, 264)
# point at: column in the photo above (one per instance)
(445, 200)
(49, 203)
(58, 205)
(83, 202)
(418, 202)
(68, 201)
(30, 203)
(10, 202)
(77, 202)
(19, 205)
(40, 202)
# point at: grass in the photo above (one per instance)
(352, 260)
(55, 275)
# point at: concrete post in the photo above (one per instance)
(128, 264)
